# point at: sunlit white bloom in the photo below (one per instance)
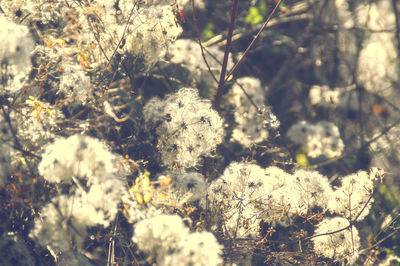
(376, 16)
(166, 238)
(290, 195)
(15, 51)
(299, 132)
(248, 96)
(190, 185)
(314, 189)
(252, 86)
(314, 146)
(62, 223)
(200, 248)
(160, 235)
(152, 30)
(38, 123)
(187, 53)
(280, 196)
(27, 11)
(251, 132)
(76, 156)
(332, 147)
(56, 227)
(353, 198)
(341, 246)
(246, 193)
(90, 166)
(344, 14)
(319, 139)
(236, 198)
(99, 204)
(186, 125)
(134, 211)
(75, 84)
(323, 95)
(378, 65)
(346, 98)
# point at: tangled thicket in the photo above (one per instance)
(126, 139)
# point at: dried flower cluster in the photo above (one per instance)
(115, 149)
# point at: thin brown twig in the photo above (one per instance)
(196, 29)
(222, 79)
(123, 35)
(223, 76)
(397, 18)
(255, 38)
(111, 245)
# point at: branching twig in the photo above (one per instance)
(196, 29)
(253, 41)
(224, 78)
(397, 17)
(111, 245)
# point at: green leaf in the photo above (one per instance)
(302, 160)
(254, 17)
(208, 31)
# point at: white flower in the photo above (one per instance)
(279, 196)
(167, 239)
(100, 204)
(160, 232)
(151, 32)
(135, 211)
(378, 67)
(251, 131)
(38, 122)
(200, 249)
(299, 132)
(160, 235)
(350, 199)
(313, 188)
(332, 147)
(314, 146)
(252, 86)
(322, 138)
(342, 246)
(251, 125)
(56, 227)
(246, 193)
(289, 195)
(15, 50)
(75, 84)
(187, 53)
(77, 155)
(191, 185)
(323, 95)
(187, 127)
(237, 198)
